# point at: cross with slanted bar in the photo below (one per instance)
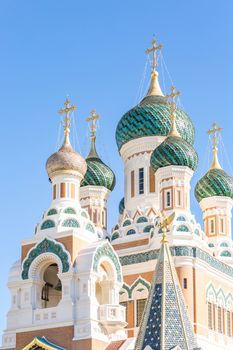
(154, 49)
(92, 120)
(68, 108)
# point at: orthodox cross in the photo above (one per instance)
(174, 93)
(92, 120)
(153, 50)
(215, 130)
(68, 108)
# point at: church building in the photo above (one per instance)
(159, 280)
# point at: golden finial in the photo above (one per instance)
(154, 89)
(92, 120)
(165, 225)
(155, 47)
(215, 130)
(68, 108)
(174, 93)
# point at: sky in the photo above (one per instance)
(94, 51)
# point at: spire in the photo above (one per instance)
(165, 323)
(68, 108)
(154, 89)
(92, 120)
(171, 96)
(215, 130)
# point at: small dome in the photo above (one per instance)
(122, 206)
(215, 182)
(98, 173)
(66, 159)
(174, 151)
(152, 117)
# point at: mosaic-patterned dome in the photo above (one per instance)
(174, 151)
(98, 173)
(152, 117)
(122, 206)
(216, 182)
(66, 159)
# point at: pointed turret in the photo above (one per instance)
(165, 324)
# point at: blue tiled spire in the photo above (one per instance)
(165, 322)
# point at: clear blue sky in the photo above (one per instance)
(95, 52)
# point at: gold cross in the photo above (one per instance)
(154, 49)
(174, 93)
(92, 120)
(214, 130)
(68, 108)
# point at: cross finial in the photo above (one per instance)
(170, 98)
(215, 130)
(68, 108)
(92, 120)
(155, 47)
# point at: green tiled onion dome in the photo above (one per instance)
(215, 183)
(98, 173)
(174, 151)
(152, 117)
(122, 206)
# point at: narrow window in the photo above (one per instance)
(141, 181)
(229, 328)
(132, 184)
(212, 228)
(125, 304)
(54, 191)
(178, 193)
(152, 180)
(185, 283)
(220, 319)
(221, 225)
(210, 316)
(140, 308)
(63, 190)
(167, 199)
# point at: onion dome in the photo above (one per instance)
(151, 117)
(98, 173)
(66, 158)
(216, 182)
(122, 206)
(174, 150)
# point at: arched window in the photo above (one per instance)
(51, 292)
(211, 245)
(224, 244)
(142, 219)
(181, 218)
(197, 232)
(90, 228)
(126, 223)
(225, 253)
(47, 224)
(52, 212)
(130, 232)
(115, 235)
(69, 211)
(148, 228)
(70, 223)
(183, 228)
(84, 214)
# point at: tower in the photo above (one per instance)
(214, 192)
(98, 182)
(65, 287)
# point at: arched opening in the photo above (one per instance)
(105, 284)
(51, 293)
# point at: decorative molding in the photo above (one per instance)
(130, 289)
(46, 246)
(106, 250)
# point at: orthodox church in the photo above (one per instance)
(159, 280)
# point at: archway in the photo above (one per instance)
(51, 293)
